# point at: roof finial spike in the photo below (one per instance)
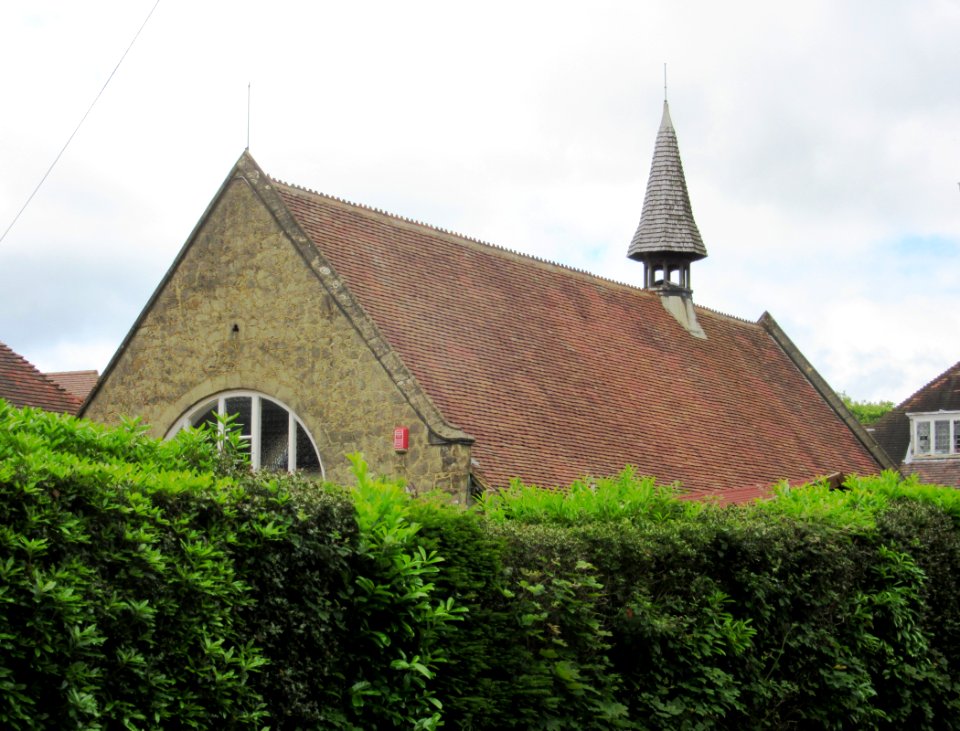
(664, 82)
(248, 116)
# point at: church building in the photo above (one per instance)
(331, 328)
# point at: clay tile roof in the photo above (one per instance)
(892, 431)
(21, 384)
(79, 383)
(559, 374)
(941, 394)
(666, 222)
(939, 472)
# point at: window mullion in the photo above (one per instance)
(221, 410)
(291, 442)
(255, 432)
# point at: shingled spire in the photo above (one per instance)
(667, 239)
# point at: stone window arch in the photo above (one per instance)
(274, 436)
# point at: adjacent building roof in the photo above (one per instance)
(79, 383)
(559, 374)
(892, 431)
(666, 223)
(21, 384)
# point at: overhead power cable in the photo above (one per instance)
(77, 128)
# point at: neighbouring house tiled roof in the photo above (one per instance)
(666, 221)
(892, 431)
(21, 384)
(79, 383)
(935, 471)
(558, 374)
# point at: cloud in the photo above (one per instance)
(819, 140)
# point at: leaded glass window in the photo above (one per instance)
(936, 434)
(941, 436)
(923, 437)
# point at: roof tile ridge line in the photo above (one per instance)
(396, 216)
(955, 366)
(826, 392)
(397, 370)
(725, 314)
(455, 234)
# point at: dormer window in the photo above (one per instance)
(935, 434)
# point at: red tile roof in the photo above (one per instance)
(21, 384)
(935, 471)
(892, 431)
(558, 374)
(79, 383)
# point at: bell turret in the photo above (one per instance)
(667, 240)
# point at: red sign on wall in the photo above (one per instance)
(401, 439)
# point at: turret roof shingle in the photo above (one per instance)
(666, 222)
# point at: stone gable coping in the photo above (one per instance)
(262, 185)
(823, 388)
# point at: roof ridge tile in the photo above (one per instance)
(953, 370)
(496, 247)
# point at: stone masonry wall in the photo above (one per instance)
(292, 342)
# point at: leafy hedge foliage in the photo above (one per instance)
(139, 589)
(149, 584)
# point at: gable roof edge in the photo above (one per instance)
(767, 322)
(366, 327)
(247, 169)
(168, 275)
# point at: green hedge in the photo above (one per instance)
(148, 584)
(616, 605)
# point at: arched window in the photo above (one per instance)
(274, 436)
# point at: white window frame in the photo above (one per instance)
(931, 418)
(293, 421)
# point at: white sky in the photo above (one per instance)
(820, 140)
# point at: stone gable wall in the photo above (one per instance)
(292, 342)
